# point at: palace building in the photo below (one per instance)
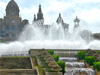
(12, 24)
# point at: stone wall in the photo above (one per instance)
(18, 72)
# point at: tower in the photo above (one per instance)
(34, 18)
(12, 21)
(39, 21)
(12, 24)
(76, 22)
(60, 19)
(40, 14)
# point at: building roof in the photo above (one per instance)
(12, 4)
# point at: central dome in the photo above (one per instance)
(12, 5)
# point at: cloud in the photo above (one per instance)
(87, 10)
(28, 13)
(92, 15)
(2, 8)
(87, 1)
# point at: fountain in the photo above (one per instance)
(75, 68)
(68, 59)
(80, 71)
(75, 64)
(33, 37)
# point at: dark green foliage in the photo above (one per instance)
(98, 52)
(96, 65)
(90, 60)
(81, 55)
(50, 52)
(62, 65)
(56, 57)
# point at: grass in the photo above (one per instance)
(40, 69)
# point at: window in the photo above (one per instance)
(13, 28)
(7, 28)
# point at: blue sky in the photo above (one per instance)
(87, 10)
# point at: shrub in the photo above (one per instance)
(62, 65)
(98, 52)
(90, 60)
(81, 55)
(50, 52)
(56, 57)
(96, 65)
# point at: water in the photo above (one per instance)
(75, 64)
(77, 71)
(68, 59)
(33, 37)
(75, 68)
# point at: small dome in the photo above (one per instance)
(12, 5)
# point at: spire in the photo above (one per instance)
(40, 8)
(34, 17)
(40, 14)
(59, 14)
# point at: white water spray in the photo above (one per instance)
(34, 38)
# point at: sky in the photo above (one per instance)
(88, 11)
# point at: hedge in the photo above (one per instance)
(50, 52)
(56, 57)
(81, 55)
(90, 60)
(62, 65)
(96, 65)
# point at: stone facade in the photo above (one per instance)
(12, 24)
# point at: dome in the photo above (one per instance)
(12, 5)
